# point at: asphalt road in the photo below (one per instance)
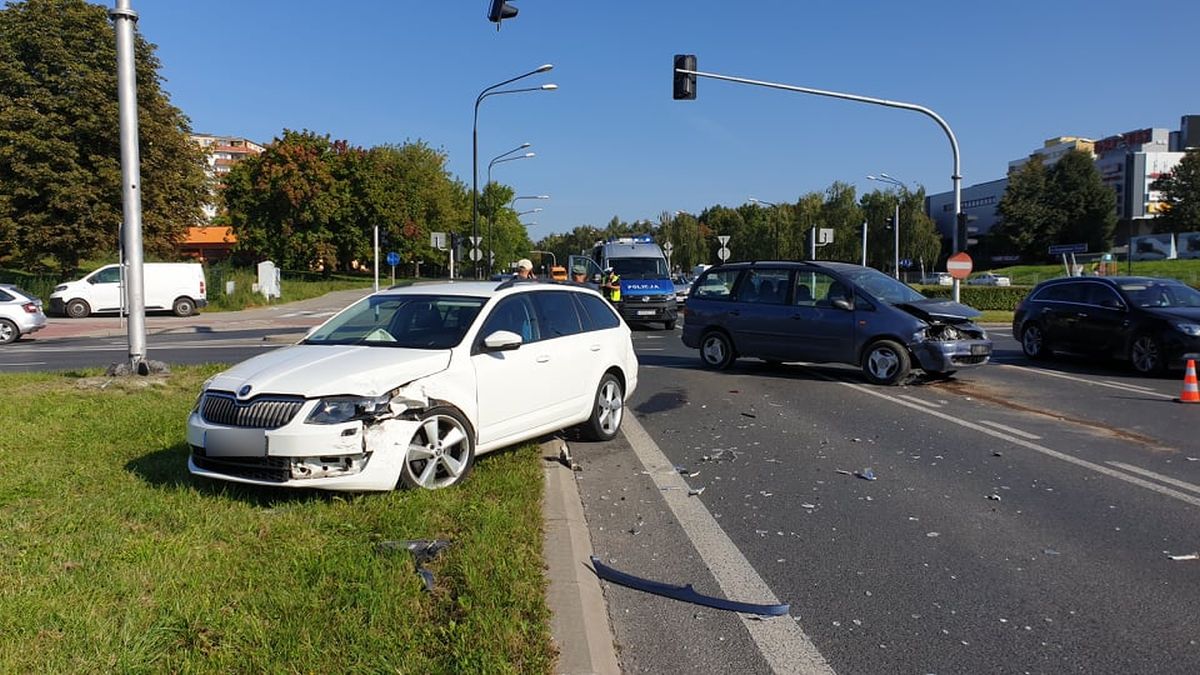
(1020, 520)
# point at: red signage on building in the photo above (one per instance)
(1127, 139)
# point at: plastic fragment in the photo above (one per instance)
(806, 505)
(1050, 551)
(684, 593)
(1186, 556)
(994, 497)
(845, 472)
(997, 453)
(932, 534)
(866, 474)
(750, 415)
(423, 550)
(695, 492)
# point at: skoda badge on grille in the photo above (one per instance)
(244, 390)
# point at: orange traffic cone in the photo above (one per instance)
(1191, 392)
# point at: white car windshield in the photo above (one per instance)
(412, 321)
(882, 287)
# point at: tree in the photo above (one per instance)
(1181, 196)
(1085, 209)
(1024, 216)
(60, 173)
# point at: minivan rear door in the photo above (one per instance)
(761, 313)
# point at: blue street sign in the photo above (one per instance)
(906, 262)
(1060, 249)
(393, 258)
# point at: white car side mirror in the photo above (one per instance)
(502, 340)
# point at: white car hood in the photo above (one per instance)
(329, 370)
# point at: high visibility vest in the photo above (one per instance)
(614, 293)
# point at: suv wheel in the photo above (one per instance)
(1033, 342)
(886, 362)
(716, 351)
(1145, 353)
(441, 452)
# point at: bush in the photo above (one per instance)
(1002, 298)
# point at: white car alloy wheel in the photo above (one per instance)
(609, 409)
(440, 453)
(8, 331)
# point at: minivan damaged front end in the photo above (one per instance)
(333, 443)
(948, 340)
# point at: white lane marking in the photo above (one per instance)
(1157, 476)
(653, 337)
(30, 363)
(1098, 383)
(780, 640)
(1126, 384)
(164, 346)
(1098, 468)
(651, 349)
(1011, 430)
(914, 399)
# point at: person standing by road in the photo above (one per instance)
(525, 269)
(611, 285)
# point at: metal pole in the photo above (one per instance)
(376, 258)
(896, 234)
(956, 177)
(131, 200)
(812, 243)
(864, 244)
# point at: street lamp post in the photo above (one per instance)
(491, 206)
(776, 228)
(490, 91)
(884, 178)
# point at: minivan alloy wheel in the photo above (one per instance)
(886, 362)
(716, 351)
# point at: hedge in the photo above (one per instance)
(1003, 298)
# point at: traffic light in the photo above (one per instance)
(499, 10)
(685, 83)
(963, 231)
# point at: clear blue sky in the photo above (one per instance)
(611, 141)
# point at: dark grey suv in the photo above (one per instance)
(829, 312)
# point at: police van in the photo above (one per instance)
(647, 294)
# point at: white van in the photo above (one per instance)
(178, 287)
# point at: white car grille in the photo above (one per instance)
(260, 413)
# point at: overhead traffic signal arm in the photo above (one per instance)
(498, 10)
(685, 82)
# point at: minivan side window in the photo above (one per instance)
(716, 285)
(768, 286)
(108, 275)
(812, 289)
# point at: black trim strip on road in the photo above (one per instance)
(685, 593)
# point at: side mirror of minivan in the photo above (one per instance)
(1112, 303)
(842, 303)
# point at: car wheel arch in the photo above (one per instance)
(867, 344)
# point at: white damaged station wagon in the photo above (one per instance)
(406, 386)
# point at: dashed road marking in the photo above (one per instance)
(1133, 389)
(914, 399)
(1011, 430)
(1156, 476)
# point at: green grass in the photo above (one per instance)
(113, 559)
(292, 286)
(1187, 271)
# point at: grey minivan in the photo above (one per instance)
(829, 312)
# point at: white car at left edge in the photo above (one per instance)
(406, 386)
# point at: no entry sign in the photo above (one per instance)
(959, 265)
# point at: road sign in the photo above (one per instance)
(1060, 249)
(906, 262)
(475, 254)
(393, 258)
(475, 241)
(959, 265)
(825, 235)
(723, 253)
(438, 240)
(668, 247)
(723, 238)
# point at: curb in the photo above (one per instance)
(578, 613)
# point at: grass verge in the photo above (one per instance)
(112, 558)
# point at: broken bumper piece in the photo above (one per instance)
(685, 593)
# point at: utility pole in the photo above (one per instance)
(124, 19)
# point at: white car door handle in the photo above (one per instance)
(595, 348)
(543, 358)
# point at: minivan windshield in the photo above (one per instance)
(412, 321)
(640, 268)
(881, 286)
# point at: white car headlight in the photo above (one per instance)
(339, 409)
(1187, 328)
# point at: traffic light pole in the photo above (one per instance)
(956, 177)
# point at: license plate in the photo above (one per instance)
(235, 443)
(977, 350)
(646, 312)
